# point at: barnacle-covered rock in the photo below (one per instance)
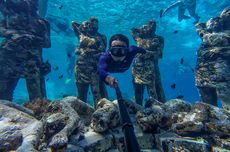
(84, 110)
(221, 128)
(60, 118)
(171, 142)
(188, 128)
(220, 142)
(18, 130)
(95, 142)
(203, 118)
(11, 136)
(150, 118)
(176, 105)
(55, 123)
(106, 116)
(184, 144)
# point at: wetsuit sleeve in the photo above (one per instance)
(134, 50)
(102, 66)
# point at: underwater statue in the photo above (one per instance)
(183, 5)
(145, 67)
(91, 45)
(25, 34)
(213, 63)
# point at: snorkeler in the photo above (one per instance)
(42, 8)
(25, 33)
(183, 5)
(60, 25)
(145, 67)
(91, 45)
(117, 59)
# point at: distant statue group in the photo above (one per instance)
(26, 33)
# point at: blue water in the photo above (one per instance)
(119, 17)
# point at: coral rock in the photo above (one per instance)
(149, 119)
(105, 117)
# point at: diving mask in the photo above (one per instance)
(118, 51)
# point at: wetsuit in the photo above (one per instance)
(107, 65)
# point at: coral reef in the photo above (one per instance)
(173, 126)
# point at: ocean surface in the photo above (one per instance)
(119, 16)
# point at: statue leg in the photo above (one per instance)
(208, 95)
(192, 12)
(7, 86)
(95, 86)
(43, 86)
(139, 92)
(82, 91)
(159, 86)
(152, 91)
(34, 88)
(181, 11)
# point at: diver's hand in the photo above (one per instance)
(111, 81)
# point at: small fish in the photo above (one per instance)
(55, 68)
(182, 61)
(67, 81)
(65, 95)
(180, 97)
(173, 86)
(60, 76)
(69, 55)
(47, 79)
(175, 32)
(192, 70)
(60, 7)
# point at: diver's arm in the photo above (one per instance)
(171, 7)
(135, 50)
(101, 67)
(76, 29)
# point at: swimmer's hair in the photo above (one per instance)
(119, 37)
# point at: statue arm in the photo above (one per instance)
(135, 33)
(76, 29)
